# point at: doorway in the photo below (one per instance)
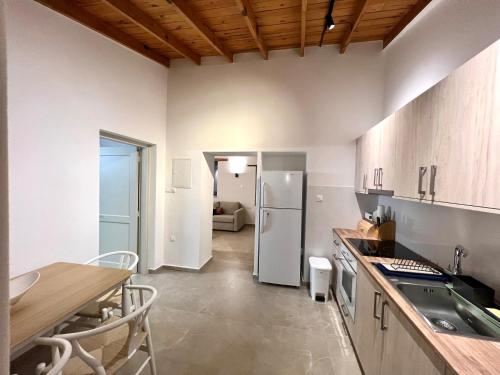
(125, 196)
(234, 207)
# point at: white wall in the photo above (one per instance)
(434, 231)
(4, 212)
(318, 104)
(444, 36)
(238, 189)
(67, 82)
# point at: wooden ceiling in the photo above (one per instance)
(169, 29)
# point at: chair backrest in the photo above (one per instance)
(61, 352)
(137, 321)
(125, 260)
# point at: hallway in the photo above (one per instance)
(221, 321)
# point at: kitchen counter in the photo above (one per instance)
(463, 355)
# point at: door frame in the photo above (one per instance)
(250, 153)
(147, 196)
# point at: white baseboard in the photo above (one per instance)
(179, 268)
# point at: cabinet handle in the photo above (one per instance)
(383, 327)
(421, 173)
(376, 295)
(345, 329)
(364, 181)
(432, 184)
(344, 310)
(336, 243)
(380, 177)
(337, 257)
(375, 173)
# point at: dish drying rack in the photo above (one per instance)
(413, 266)
(413, 269)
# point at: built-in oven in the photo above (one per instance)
(348, 272)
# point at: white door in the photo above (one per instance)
(280, 246)
(118, 200)
(281, 189)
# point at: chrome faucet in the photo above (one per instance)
(457, 259)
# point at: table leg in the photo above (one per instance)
(125, 299)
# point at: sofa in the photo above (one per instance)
(232, 217)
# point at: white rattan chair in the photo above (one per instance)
(103, 307)
(108, 347)
(61, 353)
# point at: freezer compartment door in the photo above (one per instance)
(280, 246)
(281, 189)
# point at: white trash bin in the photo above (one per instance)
(320, 269)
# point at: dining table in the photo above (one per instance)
(62, 291)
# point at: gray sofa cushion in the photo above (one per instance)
(229, 207)
(224, 218)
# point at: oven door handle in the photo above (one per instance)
(347, 267)
(345, 310)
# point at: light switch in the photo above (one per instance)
(172, 238)
(319, 198)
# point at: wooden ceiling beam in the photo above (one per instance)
(147, 23)
(187, 12)
(78, 14)
(247, 12)
(303, 14)
(417, 8)
(357, 19)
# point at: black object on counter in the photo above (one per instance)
(473, 290)
(384, 249)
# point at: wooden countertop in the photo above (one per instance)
(463, 355)
(63, 289)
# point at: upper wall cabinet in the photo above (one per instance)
(465, 144)
(375, 158)
(443, 146)
(414, 127)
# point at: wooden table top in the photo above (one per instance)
(463, 355)
(62, 290)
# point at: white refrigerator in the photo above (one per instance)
(280, 236)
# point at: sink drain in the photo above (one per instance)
(444, 324)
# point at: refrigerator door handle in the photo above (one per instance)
(262, 193)
(263, 224)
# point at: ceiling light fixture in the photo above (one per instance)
(237, 164)
(329, 22)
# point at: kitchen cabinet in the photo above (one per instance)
(361, 167)
(367, 149)
(414, 125)
(442, 147)
(401, 354)
(386, 153)
(466, 139)
(366, 336)
(375, 157)
(336, 266)
(381, 339)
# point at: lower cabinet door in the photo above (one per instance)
(401, 354)
(367, 336)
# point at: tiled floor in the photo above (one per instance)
(236, 242)
(221, 321)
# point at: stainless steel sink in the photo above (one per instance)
(445, 310)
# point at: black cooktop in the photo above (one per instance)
(383, 249)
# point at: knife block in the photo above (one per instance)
(386, 231)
